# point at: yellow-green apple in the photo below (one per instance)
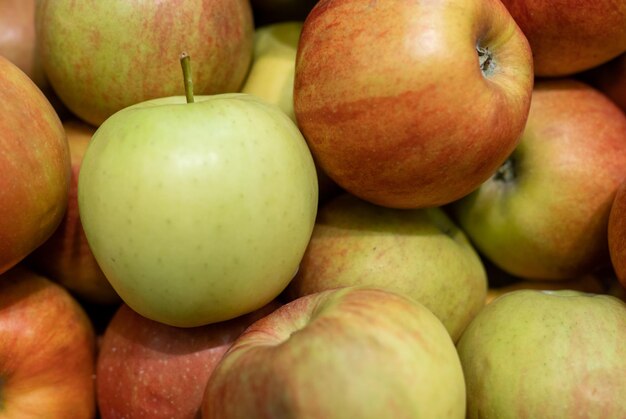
(344, 353)
(419, 109)
(34, 166)
(275, 11)
(198, 212)
(546, 354)
(569, 36)
(617, 233)
(610, 78)
(101, 57)
(47, 350)
(66, 257)
(17, 37)
(544, 214)
(419, 253)
(149, 369)
(271, 78)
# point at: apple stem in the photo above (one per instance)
(185, 63)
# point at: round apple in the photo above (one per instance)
(103, 56)
(344, 353)
(198, 212)
(419, 253)
(47, 350)
(421, 107)
(546, 354)
(544, 214)
(34, 166)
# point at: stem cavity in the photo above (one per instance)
(485, 61)
(186, 65)
(506, 172)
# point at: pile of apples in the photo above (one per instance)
(313, 209)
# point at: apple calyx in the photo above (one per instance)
(506, 172)
(485, 60)
(186, 65)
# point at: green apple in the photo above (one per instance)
(546, 354)
(198, 212)
(103, 56)
(344, 353)
(419, 253)
(544, 213)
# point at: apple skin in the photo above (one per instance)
(66, 257)
(349, 352)
(198, 212)
(419, 253)
(569, 36)
(148, 369)
(546, 354)
(47, 350)
(35, 166)
(97, 66)
(402, 114)
(545, 217)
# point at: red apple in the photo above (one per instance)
(544, 214)
(47, 350)
(34, 163)
(569, 36)
(149, 369)
(101, 57)
(344, 353)
(66, 257)
(422, 106)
